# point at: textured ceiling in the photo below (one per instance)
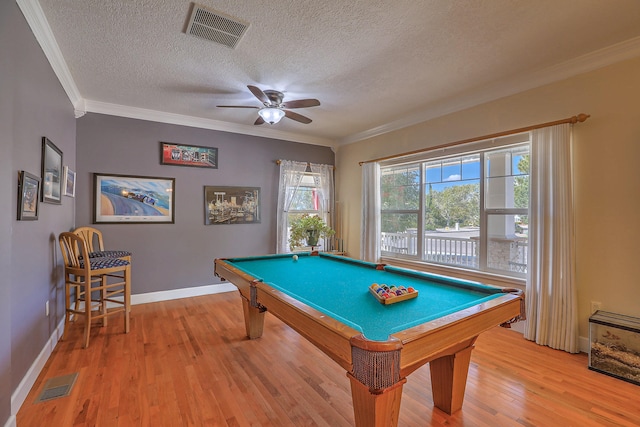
(374, 65)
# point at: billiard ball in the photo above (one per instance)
(295, 257)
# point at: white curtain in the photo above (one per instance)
(291, 174)
(370, 225)
(323, 179)
(551, 295)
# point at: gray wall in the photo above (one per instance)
(6, 182)
(32, 105)
(180, 255)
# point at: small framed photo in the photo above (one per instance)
(133, 199)
(51, 172)
(188, 155)
(69, 182)
(28, 196)
(231, 205)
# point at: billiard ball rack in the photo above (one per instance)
(393, 299)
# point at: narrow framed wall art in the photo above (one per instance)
(51, 172)
(28, 196)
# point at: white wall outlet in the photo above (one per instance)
(46, 308)
(595, 306)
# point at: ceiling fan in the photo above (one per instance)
(274, 108)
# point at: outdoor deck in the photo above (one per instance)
(459, 248)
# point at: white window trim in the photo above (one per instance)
(486, 275)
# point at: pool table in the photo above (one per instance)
(326, 299)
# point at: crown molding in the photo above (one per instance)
(179, 119)
(34, 15)
(36, 19)
(582, 64)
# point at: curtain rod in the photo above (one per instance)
(574, 119)
(308, 163)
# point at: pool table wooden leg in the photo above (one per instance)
(449, 378)
(377, 408)
(253, 319)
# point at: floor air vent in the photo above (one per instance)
(215, 26)
(57, 387)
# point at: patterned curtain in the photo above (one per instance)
(291, 174)
(323, 178)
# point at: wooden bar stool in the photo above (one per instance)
(93, 238)
(90, 276)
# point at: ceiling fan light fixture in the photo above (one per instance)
(271, 115)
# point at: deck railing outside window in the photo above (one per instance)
(458, 251)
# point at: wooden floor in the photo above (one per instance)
(187, 363)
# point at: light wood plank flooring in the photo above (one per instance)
(187, 363)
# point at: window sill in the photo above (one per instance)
(460, 273)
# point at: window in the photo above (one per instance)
(400, 205)
(304, 188)
(305, 197)
(466, 209)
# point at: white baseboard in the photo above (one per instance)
(11, 422)
(21, 392)
(181, 293)
(23, 389)
(584, 345)
(583, 342)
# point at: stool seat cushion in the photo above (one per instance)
(110, 254)
(104, 262)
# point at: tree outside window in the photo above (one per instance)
(435, 210)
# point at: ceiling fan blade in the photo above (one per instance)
(258, 93)
(259, 121)
(297, 117)
(301, 103)
(235, 106)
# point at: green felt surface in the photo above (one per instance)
(340, 289)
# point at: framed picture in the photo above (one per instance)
(188, 155)
(133, 199)
(51, 172)
(231, 205)
(28, 196)
(69, 182)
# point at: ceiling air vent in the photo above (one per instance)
(215, 26)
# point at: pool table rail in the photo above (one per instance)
(424, 343)
(328, 334)
(377, 370)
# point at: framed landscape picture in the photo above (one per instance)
(188, 155)
(231, 205)
(51, 172)
(133, 199)
(28, 196)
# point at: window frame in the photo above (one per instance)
(315, 212)
(480, 148)
(295, 190)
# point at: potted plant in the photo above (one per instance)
(307, 228)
